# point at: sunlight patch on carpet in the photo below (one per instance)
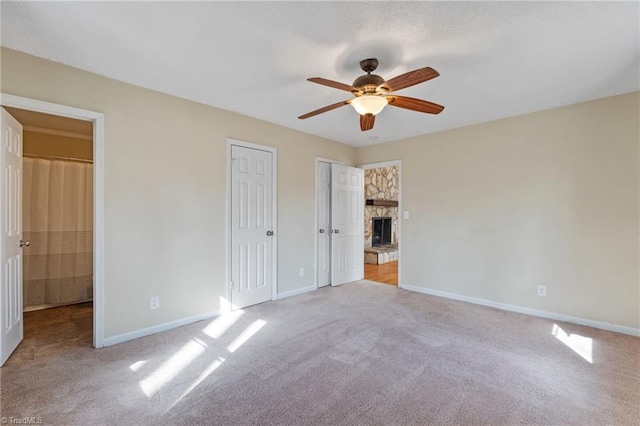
(221, 324)
(171, 368)
(137, 365)
(581, 345)
(207, 371)
(246, 335)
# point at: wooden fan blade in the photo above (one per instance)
(367, 121)
(415, 104)
(410, 78)
(324, 109)
(334, 84)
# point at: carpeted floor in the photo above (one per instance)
(361, 353)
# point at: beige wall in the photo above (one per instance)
(549, 198)
(165, 183)
(37, 143)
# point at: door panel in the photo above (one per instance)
(11, 332)
(347, 214)
(324, 224)
(251, 220)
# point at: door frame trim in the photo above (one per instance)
(226, 305)
(400, 211)
(98, 120)
(315, 215)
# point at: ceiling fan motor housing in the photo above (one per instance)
(368, 83)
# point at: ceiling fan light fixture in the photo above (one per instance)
(369, 104)
(371, 92)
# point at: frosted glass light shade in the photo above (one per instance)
(369, 104)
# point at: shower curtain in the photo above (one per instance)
(57, 206)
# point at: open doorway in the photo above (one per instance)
(382, 222)
(11, 312)
(57, 233)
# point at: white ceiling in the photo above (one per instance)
(496, 59)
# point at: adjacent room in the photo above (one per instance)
(381, 224)
(333, 213)
(57, 233)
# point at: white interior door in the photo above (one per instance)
(10, 244)
(252, 242)
(324, 224)
(347, 220)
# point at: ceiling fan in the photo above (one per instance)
(372, 93)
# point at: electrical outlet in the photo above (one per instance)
(542, 291)
(302, 272)
(406, 214)
(154, 302)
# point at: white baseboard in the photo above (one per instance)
(528, 311)
(295, 292)
(113, 340)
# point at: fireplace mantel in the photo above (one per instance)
(384, 203)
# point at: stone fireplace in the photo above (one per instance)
(381, 187)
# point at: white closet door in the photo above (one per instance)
(347, 220)
(324, 224)
(10, 242)
(252, 239)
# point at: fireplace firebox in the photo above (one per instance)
(381, 234)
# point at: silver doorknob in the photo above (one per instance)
(25, 243)
(322, 231)
(269, 233)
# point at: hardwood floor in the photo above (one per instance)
(54, 330)
(387, 273)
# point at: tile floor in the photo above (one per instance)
(54, 330)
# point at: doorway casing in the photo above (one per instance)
(98, 120)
